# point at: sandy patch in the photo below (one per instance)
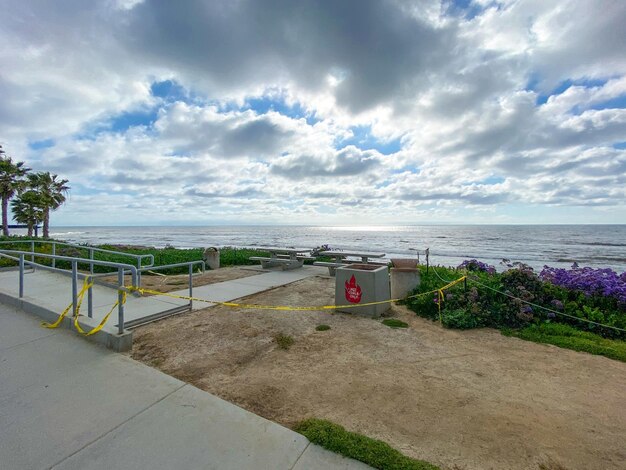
(181, 281)
(462, 400)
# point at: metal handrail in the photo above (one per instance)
(91, 250)
(121, 268)
(176, 265)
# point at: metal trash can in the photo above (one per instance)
(360, 284)
(211, 257)
(404, 277)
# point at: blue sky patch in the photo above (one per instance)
(125, 121)
(265, 104)
(490, 180)
(363, 139)
(620, 145)
(41, 144)
(618, 102)
(467, 9)
(410, 168)
(561, 87)
(169, 90)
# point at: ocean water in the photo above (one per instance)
(536, 245)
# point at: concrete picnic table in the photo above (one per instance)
(288, 258)
(339, 259)
(341, 255)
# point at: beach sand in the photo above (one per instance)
(460, 399)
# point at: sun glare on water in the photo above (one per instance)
(363, 228)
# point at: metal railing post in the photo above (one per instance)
(190, 286)
(54, 253)
(120, 301)
(75, 287)
(91, 257)
(138, 280)
(32, 250)
(89, 298)
(21, 276)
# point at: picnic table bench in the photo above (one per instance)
(287, 258)
(340, 259)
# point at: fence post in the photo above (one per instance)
(74, 287)
(139, 266)
(21, 275)
(54, 252)
(190, 286)
(32, 250)
(91, 257)
(120, 301)
(89, 298)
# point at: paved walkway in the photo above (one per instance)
(237, 288)
(66, 403)
(53, 291)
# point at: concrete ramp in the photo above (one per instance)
(47, 294)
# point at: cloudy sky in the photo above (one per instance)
(320, 112)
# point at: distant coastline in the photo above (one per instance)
(537, 245)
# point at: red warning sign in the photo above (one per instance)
(353, 291)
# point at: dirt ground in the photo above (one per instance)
(460, 399)
(180, 281)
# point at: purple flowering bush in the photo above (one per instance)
(475, 265)
(592, 282)
(567, 296)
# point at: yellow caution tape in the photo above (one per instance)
(441, 297)
(157, 274)
(79, 297)
(89, 283)
(104, 320)
(86, 285)
(290, 307)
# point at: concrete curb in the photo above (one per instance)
(109, 339)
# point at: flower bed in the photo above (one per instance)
(519, 297)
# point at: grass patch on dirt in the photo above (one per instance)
(394, 323)
(322, 327)
(565, 336)
(284, 341)
(377, 454)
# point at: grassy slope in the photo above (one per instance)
(565, 336)
(375, 453)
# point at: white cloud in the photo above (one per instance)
(466, 97)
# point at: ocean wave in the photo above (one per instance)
(60, 234)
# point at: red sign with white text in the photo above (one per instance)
(353, 291)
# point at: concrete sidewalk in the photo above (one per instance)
(69, 404)
(47, 294)
(237, 288)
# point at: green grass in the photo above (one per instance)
(568, 337)
(322, 327)
(394, 323)
(284, 341)
(377, 454)
(229, 256)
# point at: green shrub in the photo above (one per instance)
(566, 336)
(394, 323)
(460, 319)
(284, 341)
(510, 300)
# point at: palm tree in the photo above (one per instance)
(51, 193)
(27, 209)
(11, 181)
